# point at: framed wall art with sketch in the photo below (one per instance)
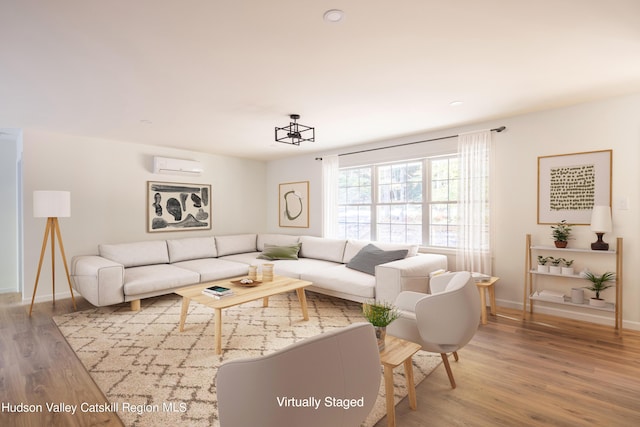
(570, 185)
(293, 202)
(178, 207)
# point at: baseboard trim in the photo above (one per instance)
(26, 299)
(556, 310)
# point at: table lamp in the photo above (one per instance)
(600, 224)
(52, 205)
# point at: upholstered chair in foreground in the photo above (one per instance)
(330, 372)
(443, 321)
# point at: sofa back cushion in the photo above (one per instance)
(191, 248)
(276, 240)
(136, 254)
(322, 248)
(235, 244)
(355, 246)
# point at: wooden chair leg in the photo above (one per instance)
(445, 361)
(135, 305)
(455, 355)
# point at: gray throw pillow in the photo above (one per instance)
(272, 252)
(370, 256)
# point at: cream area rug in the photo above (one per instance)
(153, 374)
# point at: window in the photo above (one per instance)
(412, 201)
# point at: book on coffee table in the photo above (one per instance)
(220, 291)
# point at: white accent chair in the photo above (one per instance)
(270, 391)
(443, 321)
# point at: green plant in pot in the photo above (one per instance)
(380, 315)
(561, 232)
(567, 267)
(542, 264)
(555, 268)
(598, 284)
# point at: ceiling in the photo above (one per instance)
(217, 76)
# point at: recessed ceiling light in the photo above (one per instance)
(333, 16)
(146, 121)
(456, 103)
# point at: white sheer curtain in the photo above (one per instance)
(474, 236)
(330, 196)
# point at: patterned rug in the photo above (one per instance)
(155, 375)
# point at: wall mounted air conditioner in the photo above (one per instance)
(176, 166)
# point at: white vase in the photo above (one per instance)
(555, 269)
(577, 295)
(543, 268)
(568, 271)
(597, 302)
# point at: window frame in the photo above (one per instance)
(375, 200)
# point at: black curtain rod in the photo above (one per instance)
(499, 129)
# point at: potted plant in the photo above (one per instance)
(555, 265)
(561, 232)
(567, 267)
(598, 284)
(380, 315)
(542, 264)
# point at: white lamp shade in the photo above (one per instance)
(51, 204)
(601, 219)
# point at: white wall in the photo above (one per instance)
(108, 184)
(10, 153)
(301, 168)
(609, 124)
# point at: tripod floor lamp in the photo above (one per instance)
(52, 205)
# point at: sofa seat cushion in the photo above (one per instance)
(339, 278)
(248, 258)
(214, 268)
(191, 248)
(137, 253)
(296, 269)
(288, 268)
(153, 278)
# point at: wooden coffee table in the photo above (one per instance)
(241, 295)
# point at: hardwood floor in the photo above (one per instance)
(543, 371)
(37, 367)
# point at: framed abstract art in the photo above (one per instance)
(178, 207)
(293, 203)
(570, 185)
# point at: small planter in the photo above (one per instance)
(543, 268)
(381, 335)
(380, 315)
(567, 271)
(595, 302)
(555, 269)
(560, 233)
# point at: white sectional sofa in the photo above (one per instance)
(134, 271)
